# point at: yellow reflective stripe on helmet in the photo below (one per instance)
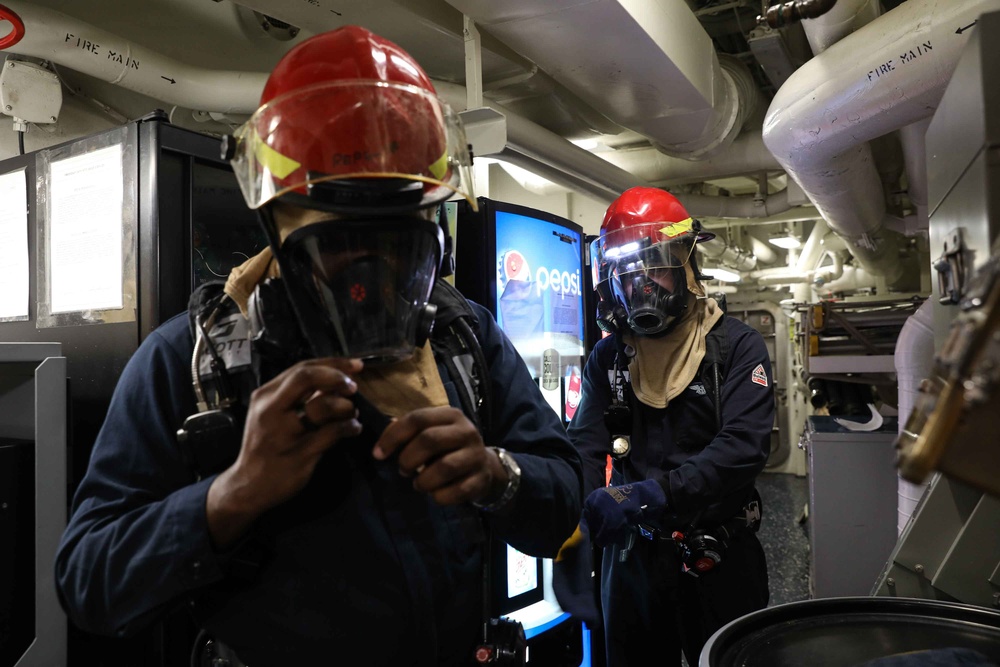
(440, 166)
(279, 165)
(677, 228)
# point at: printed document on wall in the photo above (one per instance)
(85, 231)
(14, 269)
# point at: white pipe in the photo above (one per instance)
(80, 46)
(540, 151)
(853, 278)
(812, 249)
(782, 276)
(660, 75)
(890, 73)
(723, 252)
(914, 360)
(740, 206)
(833, 243)
(762, 251)
(736, 97)
(826, 274)
(844, 18)
(915, 158)
(745, 155)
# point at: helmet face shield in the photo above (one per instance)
(366, 284)
(638, 274)
(644, 247)
(352, 129)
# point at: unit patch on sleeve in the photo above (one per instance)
(759, 376)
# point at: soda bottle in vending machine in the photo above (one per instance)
(574, 383)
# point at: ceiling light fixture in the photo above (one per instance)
(786, 241)
(724, 275)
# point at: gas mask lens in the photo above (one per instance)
(366, 283)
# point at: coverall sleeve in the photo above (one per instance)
(137, 539)
(738, 453)
(548, 503)
(587, 431)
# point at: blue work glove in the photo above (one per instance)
(573, 578)
(613, 512)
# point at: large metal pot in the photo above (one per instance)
(843, 632)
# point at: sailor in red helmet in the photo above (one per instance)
(309, 461)
(680, 396)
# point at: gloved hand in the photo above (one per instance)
(612, 512)
(573, 578)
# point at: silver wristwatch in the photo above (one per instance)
(510, 465)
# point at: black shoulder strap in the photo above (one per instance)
(201, 302)
(455, 342)
(713, 366)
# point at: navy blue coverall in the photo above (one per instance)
(649, 606)
(358, 554)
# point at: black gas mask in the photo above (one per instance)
(652, 308)
(360, 288)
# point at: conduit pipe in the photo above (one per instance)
(650, 67)
(888, 74)
(746, 155)
(782, 276)
(912, 140)
(914, 360)
(762, 251)
(80, 46)
(841, 20)
(826, 274)
(812, 250)
(853, 279)
(545, 153)
(97, 52)
(741, 206)
(723, 252)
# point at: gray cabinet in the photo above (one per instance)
(852, 505)
(32, 503)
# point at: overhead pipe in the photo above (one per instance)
(914, 360)
(545, 153)
(69, 42)
(741, 206)
(912, 140)
(764, 253)
(782, 276)
(650, 67)
(728, 254)
(840, 21)
(787, 13)
(826, 274)
(888, 74)
(746, 155)
(853, 279)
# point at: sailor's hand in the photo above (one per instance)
(291, 421)
(444, 453)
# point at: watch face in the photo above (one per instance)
(510, 463)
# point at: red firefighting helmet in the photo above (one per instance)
(340, 109)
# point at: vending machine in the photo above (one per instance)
(527, 267)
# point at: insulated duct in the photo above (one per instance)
(838, 22)
(147, 72)
(886, 75)
(496, 132)
(914, 359)
(77, 45)
(741, 206)
(746, 155)
(721, 251)
(646, 65)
